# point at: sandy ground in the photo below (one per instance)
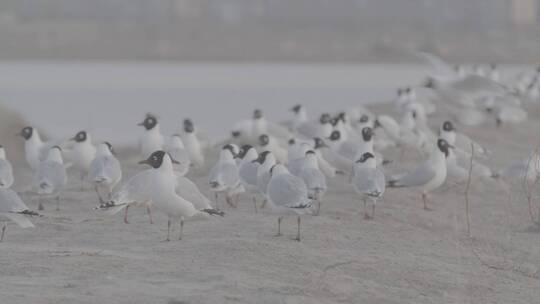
(404, 255)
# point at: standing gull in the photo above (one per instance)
(13, 208)
(368, 181)
(105, 171)
(162, 191)
(224, 175)
(83, 154)
(247, 171)
(287, 194)
(151, 139)
(51, 176)
(429, 176)
(6, 170)
(313, 178)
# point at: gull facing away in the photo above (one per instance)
(105, 171)
(368, 181)
(223, 177)
(288, 194)
(429, 176)
(14, 209)
(313, 178)
(51, 176)
(247, 171)
(6, 170)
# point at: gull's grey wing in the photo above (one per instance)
(308, 129)
(288, 191)
(369, 180)
(11, 202)
(313, 178)
(224, 174)
(418, 177)
(191, 193)
(105, 169)
(348, 150)
(474, 84)
(248, 173)
(51, 176)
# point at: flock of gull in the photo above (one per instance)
(284, 168)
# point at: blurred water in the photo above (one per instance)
(110, 98)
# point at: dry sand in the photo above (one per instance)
(404, 255)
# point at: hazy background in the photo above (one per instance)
(101, 65)
(270, 30)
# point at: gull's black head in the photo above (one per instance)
(257, 114)
(408, 90)
(80, 137)
(325, 118)
(319, 143)
(363, 119)
(443, 146)
(292, 141)
(26, 133)
(230, 148)
(155, 159)
(149, 122)
(109, 146)
(244, 150)
(448, 126)
(296, 108)
(335, 135)
(367, 133)
(429, 83)
(413, 113)
(262, 157)
(310, 152)
(272, 169)
(264, 140)
(236, 134)
(188, 126)
(341, 116)
(376, 124)
(365, 157)
(334, 121)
